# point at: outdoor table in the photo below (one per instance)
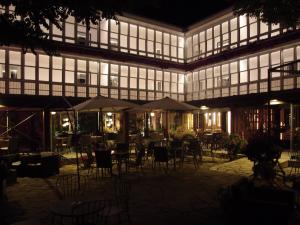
(60, 141)
(96, 139)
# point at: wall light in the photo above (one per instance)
(109, 114)
(53, 113)
(276, 102)
(203, 107)
(152, 114)
(65, 124)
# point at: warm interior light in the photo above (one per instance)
(2, 106)
(203, 107)
(65, 119)
(53, 113)
(229, 122)
(152, 114)
(275, 102)
(109, 114)
(65, 124)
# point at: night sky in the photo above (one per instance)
(180, 13)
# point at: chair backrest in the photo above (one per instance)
(122, 189)
(140, 154)
(91, 212)
(194, 146)
(122, 147)
(160, 154)
(69, 187)
(150, 147)
(103, 159)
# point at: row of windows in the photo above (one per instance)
(87, 72)
(245, 73)
(32, 88)
(231, 33)
(151, 42)
(124, 37)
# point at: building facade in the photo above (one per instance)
(219, 64)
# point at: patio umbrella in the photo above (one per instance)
(167, 104)
(100, 104)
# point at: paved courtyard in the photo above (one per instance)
(184, 196)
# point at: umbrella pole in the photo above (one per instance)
(101, 123)
(167, 124)
(76, 149)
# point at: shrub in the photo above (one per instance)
(264, 153)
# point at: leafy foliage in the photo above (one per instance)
(264, 153)
(181, 133)
(285, 12)
(26, 24)
(235, 145)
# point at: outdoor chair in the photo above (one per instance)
(91, 212)
(103, 163)
(68, 186)
(194, 151)
(138, 162)
(88, 160)
(177, 151)
(122, 154)
(63, 144)
(120, 208)
(150, 150)
(161, 156)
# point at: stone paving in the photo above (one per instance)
(184, 196)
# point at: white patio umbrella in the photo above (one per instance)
(100, 104)
(167, 104)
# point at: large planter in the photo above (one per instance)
(248, 205)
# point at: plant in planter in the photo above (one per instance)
(180, 133)
(264, 153)
(258, 196)
(234, 144)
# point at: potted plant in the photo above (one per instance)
(261, 196)
(234, 144)
(180, 133)
(264, 153)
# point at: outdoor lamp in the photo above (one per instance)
(65, 124)
(203, 107)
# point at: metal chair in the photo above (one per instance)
(68, 185)
(161, 155)
(121, 207)
(194, 150)
(103, 162)
(177, 152)
(139, 160)
(91, 212)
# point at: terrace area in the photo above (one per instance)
(158, 196)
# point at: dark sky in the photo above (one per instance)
(181, 13)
